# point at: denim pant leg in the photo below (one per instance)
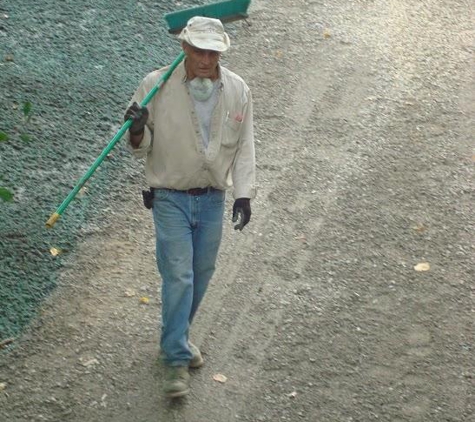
(188, 230)
(174, 251)
(206, 241)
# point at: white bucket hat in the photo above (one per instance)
(206, 34)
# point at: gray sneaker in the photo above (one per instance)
(197, 360)
(177, 381)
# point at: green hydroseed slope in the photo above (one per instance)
(78, 63)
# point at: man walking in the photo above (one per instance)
(198, 140)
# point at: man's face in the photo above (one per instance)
(201, 63)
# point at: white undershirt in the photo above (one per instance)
(204, 111)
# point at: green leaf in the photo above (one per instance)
(5, 194)
(3, 136)
(27, 108)
(25, 138)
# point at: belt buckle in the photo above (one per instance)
(197, 191)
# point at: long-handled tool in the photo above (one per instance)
(226, 11)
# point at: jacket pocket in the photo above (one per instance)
(232, 130)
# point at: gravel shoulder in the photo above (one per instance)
(364, 125)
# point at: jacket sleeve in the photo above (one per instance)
(244, 166)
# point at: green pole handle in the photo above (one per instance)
(55, 216)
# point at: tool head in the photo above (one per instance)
(225, 11)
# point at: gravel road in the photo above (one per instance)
(351, 294)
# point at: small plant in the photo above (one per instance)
(27, 107)
(27, 113)
(5, 194)
(25, 137)
(3, 136)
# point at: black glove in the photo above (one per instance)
(139, 116)
(241, 210)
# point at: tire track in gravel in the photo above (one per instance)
(417, 337)
(297, 202)
(242, 320)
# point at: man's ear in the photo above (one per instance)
(184, 46)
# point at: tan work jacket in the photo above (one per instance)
(172, 144)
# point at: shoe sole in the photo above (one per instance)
(194, 362)
(196, 365)
(177, 394)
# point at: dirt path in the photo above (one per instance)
(364, 125)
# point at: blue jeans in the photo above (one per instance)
(188, 230)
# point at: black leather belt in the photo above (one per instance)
(199, 191)
(195, 191)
